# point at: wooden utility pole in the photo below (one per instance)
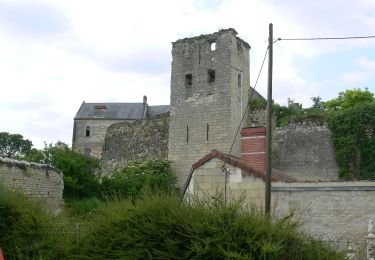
(269, 123)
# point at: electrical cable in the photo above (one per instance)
(326, 38)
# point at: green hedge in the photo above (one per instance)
(161, 227)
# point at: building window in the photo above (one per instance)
(213, 46)
(188, 80)
(88, 132)
(187, 133)
(239, 80)
(211, 75)
(208, 129)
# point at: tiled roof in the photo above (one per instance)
(277, 176)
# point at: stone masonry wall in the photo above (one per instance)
(336, 210)
(206, 112)
(36, 181)
(141, 140)
(304, 150)
(91, 145)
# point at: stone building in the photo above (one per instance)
(210, 86)
(93, 119)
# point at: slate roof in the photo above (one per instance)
(116, 110)
(158, 110)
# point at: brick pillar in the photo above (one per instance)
(253, 140)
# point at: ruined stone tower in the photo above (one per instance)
(210, 85)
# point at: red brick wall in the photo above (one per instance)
(253, 141)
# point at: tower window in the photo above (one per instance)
(88, 132)
(239, 80)
(211, 75)
(188, 80)
(213, 46)
(208, 129)
(187, 133)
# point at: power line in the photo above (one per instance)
(326, 38)
(248, 104)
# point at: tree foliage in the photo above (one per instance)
(80, 180)
(349, 99)
(14, 145)
(136, 176)
(353, 134)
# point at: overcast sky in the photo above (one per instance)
(55, 54)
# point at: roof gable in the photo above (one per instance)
(246, 168)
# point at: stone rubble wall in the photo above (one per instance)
(145, 139)
(304, 150)
(36, 181)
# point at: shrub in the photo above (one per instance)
(80, 180)
(155, 175)
(82, 207)
(27, 230)
(162, 227)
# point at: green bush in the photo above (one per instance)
(353, 135)
(161, 227)
(27, 231)
(155, 175)
(80, 180)
(82, 207)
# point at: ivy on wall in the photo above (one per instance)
(351, 119)
(353, 136)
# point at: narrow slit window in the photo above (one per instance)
(207, 130)
(213, 46)
(88, 132)
(211, 75)
(187, 133)
(239, 80)
(188, 80)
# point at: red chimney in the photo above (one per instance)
(253, 141)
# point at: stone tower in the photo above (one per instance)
(210, 85)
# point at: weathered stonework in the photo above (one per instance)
(210, 86)
(92, 145)
(145, 139)
(36, 181)
(304, 150)
(336, 210)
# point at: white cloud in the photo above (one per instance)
(55, 54)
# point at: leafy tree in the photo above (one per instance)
(80, 180)
(353, 134)
(349, 99)
(13, 145)
(317, 103)
(130, 180)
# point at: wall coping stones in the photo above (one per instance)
(325, 186)
(24, 164)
